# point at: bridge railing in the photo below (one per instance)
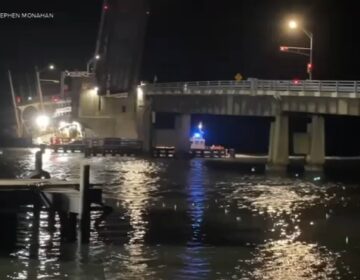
(263, 85)
(46, 100)
(200, 84)
(316, 86)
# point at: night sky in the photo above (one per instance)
(189, 39)
(192, 39)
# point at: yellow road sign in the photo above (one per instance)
(238, 77)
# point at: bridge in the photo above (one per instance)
(111, 112)
(278, 99)
(311, 87)
(237, 97)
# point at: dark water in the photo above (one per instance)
(184, 220)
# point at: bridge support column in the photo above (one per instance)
(278, 158)
(316, 157)
(182, 126)
(145, 125)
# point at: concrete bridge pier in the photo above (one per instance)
(182, 127)
(278, 158)
(316, 157)
(145, 126)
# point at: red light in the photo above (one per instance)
(55, 98)
(106, 7)
(309, 67)
(296, 82)
(284, 49)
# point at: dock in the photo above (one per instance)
(170, 152)
(163, 152)
(72, 200)
(208, 153)
(102, 147)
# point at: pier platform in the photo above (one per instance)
(170, 152)
(103, 147)
(72, 200)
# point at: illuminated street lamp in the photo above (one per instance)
(47, 67)
(37, 72)
(293, 25)
(95, 90)
(91, 61)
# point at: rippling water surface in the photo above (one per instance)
(177, 219)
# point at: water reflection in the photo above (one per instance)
(196, 198)
(285, 254)
(134, 195)
(287, 259)
(195, 262)
(183, 220)
(39, 248)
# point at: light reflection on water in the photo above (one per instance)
(287, 259)
(196, 265)
(182, 220)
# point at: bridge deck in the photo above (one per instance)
(256, 86)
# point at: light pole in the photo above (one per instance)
(301, 50)
(38, 83)
(17, 118)
(92, 60)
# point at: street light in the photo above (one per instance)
(92, 60)
(37, 72)
(293, 24)
(47, 67)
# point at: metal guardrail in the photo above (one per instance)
(255, 85)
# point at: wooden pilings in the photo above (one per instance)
(77, 215)
(163, 152)
(71, 200)
(68, 222)
(84, 204)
